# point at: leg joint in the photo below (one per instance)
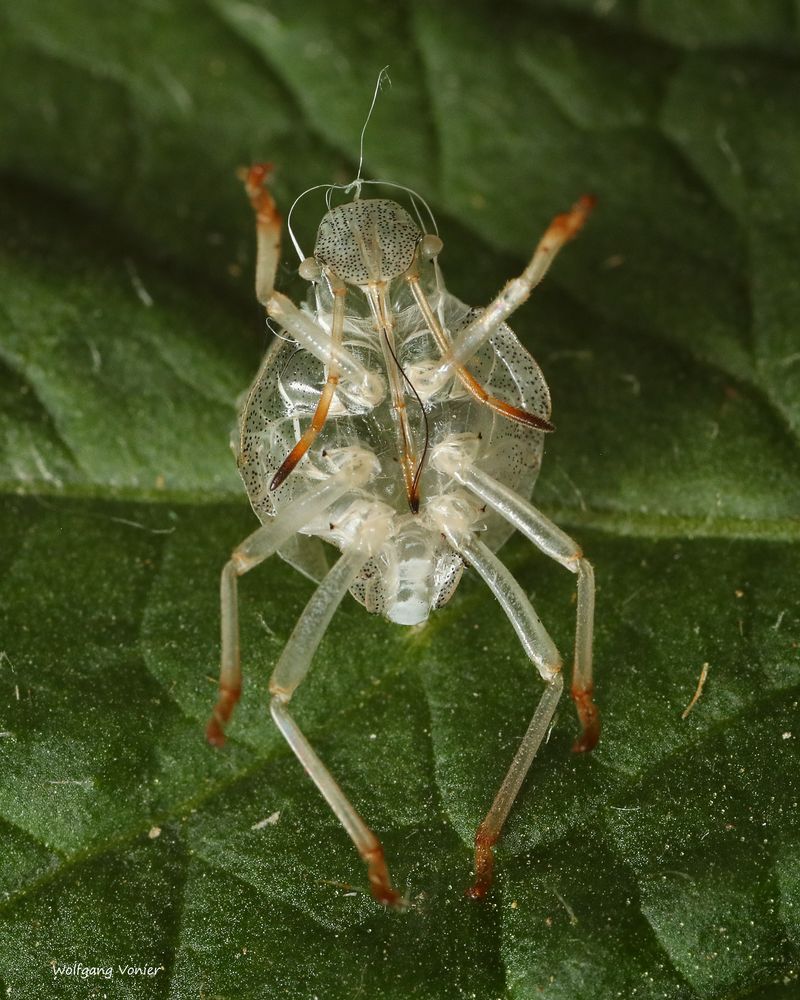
(239, 562)
(551, 670)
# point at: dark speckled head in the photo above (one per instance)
(367, 240)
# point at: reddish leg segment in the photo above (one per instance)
(470, 383)
(563, 228)
(268, 227)
(326, 396)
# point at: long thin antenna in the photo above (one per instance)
(382, 76)
(356, 184)
(314, 187)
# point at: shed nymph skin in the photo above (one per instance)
(406, 429)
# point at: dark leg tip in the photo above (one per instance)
(215, 734)
(386, 896)
(484, 865)
(228, 697)
(477, 891)
(589, 717)
(587, 741)
(379, 883)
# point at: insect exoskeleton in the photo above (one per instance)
(406, 429)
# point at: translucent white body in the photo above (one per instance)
(415, 570)
(404, 428)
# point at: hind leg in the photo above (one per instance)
(452, 457)
(541, 651)
(289, 672)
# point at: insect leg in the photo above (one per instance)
(326, 396)
(268, 227)
(559, 546)
(291, 669)
(541, 651)
(376, 296)
(306, 331)
(260, 545)
(311, 336)
(562, 229)
(470, 383)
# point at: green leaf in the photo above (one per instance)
(665, 865)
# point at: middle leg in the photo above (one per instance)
(452, 457)
(467, 379)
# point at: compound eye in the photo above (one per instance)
(310, 269)
(430, 246)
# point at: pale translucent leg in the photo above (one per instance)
(559, 546)
(470, 383)
(289, 672)
(304, 328)
(254, 550)
(314, 338)
(540, 649)
(561, 229)
(268, 228)
(326, 396)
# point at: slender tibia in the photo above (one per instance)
(488, 832)
(559, 546)
(290, 670)
(326, 396)
(582, 684)
(254, 550)
(470, 383)
(540, 650)
(562, 229)
(367, 844)
(268, 227)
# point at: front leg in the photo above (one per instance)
(268, 227)
(308, 333)
(320, 416)
(562, 229)
(470, 383)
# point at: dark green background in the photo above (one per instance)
(663, 867)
